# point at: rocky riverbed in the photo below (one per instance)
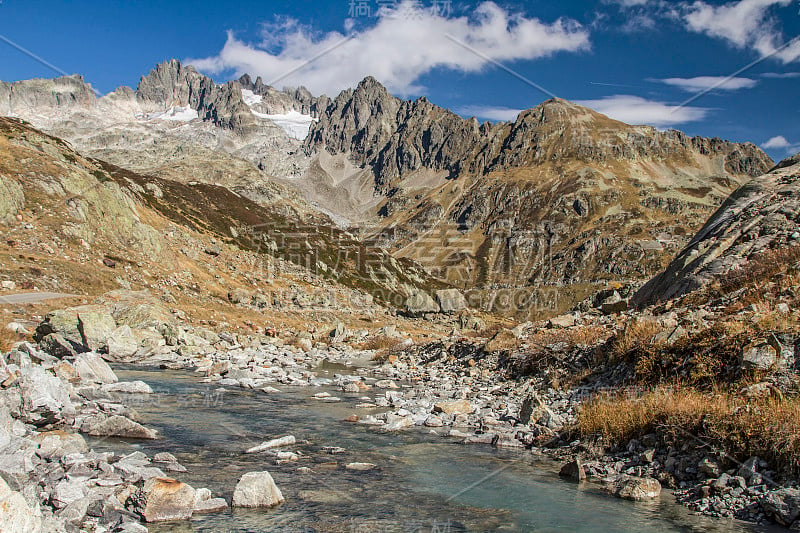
(62, 387)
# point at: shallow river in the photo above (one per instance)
(423, 483)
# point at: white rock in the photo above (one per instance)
(257, 489)
(360, 467)
(17, 516)
(92, 369)
(288, 440)
(128, 387)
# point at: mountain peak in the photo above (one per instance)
(371, 83)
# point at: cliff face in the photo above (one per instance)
(762, 215)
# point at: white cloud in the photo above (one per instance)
(776, 143)
(404, 44)
(637, 110)
(705, 83)
(499, 114)
(780, 75)
(744, 24)
(781, 144)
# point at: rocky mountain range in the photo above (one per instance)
(529, 217)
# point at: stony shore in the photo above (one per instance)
(53, 391)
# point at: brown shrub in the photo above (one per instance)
(742, 427)
(379, 342)
(638, 335)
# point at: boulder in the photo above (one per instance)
(420, 303)
(257, 489)
(122, 344)
(562, 321)
(759, 355)
(58, 443)
(161, 499)
(633, 488)
(454, 407)
(451, 300)
(57, 346)
(91, 368)
(64, 322)
(45, 399)
(211, 505)
(288, 440)
(121, 426)
(16, 516)
(360, 467)
(573, 470)
(95, 325)
(68, 491)
(396, 422)
(128, 387)
(340, 333)
(139, 310)
(136, 467)
(782, 506)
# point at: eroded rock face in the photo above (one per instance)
(257, 489)
(761, 215)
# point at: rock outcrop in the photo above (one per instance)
(762, 215)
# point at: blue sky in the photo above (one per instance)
(637, 60)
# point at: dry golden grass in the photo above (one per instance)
(769, 266)
(742, 427)
(8, 338)
(378, 343)
(637, 335)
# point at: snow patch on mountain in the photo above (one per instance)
(295, 124)
(175, 113)
(250, 98)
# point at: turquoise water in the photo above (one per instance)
(422, 483)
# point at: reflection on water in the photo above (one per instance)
(423, 483)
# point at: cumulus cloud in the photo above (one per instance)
(744, 24)
(637, 110)
(780, 143)
(405, 43)
(706, 83)
(496, 114)
(776, 143)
